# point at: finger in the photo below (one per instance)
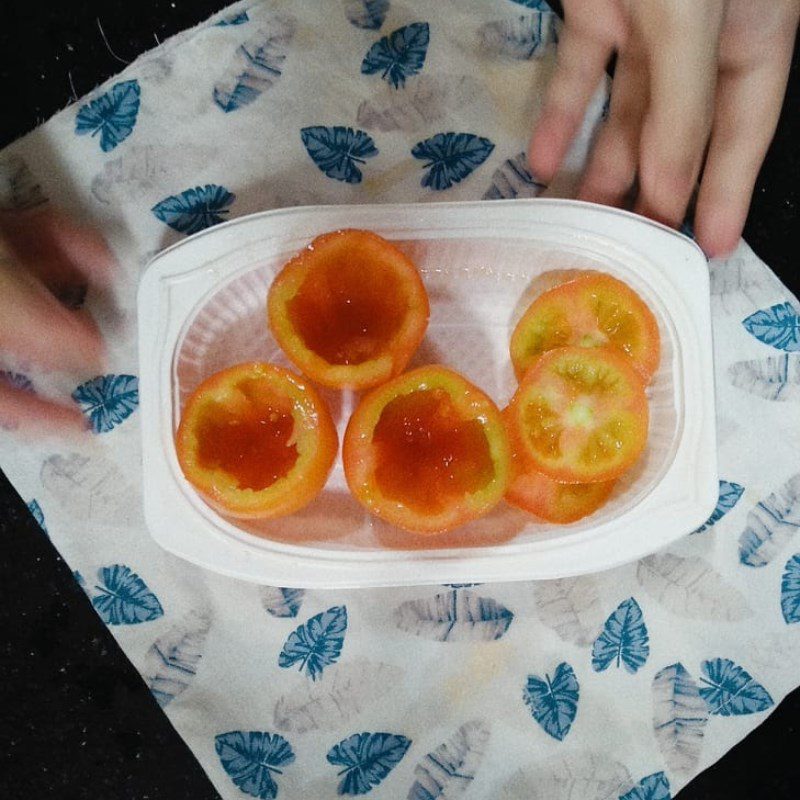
(34, 325)
(612, 167)
(62, 253)
(26, 412)
(582, 57)
(747, 110)
(683, 69)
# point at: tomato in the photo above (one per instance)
(350, 310)
(593, 310)
(256, 441)
(580, 415)
(427, 451)
(546, 498)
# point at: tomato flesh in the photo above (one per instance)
(255, 441)
(252, 444)
(427, 451)
(341, 315)
(581, 415)
(350, 310)
(427, 456)
(594, 310)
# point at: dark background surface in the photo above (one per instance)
(76, 721)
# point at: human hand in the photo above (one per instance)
(696, 85)
(45, 263)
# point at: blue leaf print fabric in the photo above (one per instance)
(449, 770)
(624, 640)
(399, 55)
(234, 19)
(337, 150)
(251, 758)
(195, 209)
(653, 787)
(317, 644)
(366, 758)
(513, 179)
(729, 690)
(123, 598)
(257, 65)
(172, 660)
(281, 602)
(775, 378)
(108, 400)
(37, 513)
(770, 525)
(729, 494)
(522, 38)
(454, 616)
(112, 115)
(538, 5)
(777, 326)
(16, 380)
(451, 157)
(366, 14)
(553, 701)
(790, 590)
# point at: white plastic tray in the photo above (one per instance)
(202, 308)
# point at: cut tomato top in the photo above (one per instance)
(594, 310)
(256, 441)
(350, 310)
(427, 451)
(580, 414)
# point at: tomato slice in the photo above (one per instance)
(256, 441)
(580, 414)
(350, 310)
(546, 498)
(594, 310)
(427, 451)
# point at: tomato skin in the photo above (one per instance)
(362, 458)
(580, 415)
(591, 310)
(307, 300)
(313, 434)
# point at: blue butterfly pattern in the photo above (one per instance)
(730, 690)
(252, 758)
(399, 55)
(553, 701)
(451, 157)
(337, 150)
(316, 644)
(123, 598)
(624, 640)
(367, 758)
(195, 209)
(112, 115)
(108, 400)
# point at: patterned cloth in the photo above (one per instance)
(624, 684)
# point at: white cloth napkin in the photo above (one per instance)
(624, 684)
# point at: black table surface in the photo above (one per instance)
(76, 720)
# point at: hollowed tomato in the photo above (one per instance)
(580, 415)
(594, 310)
(256, 441)
(350, 310)
(427, 451)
